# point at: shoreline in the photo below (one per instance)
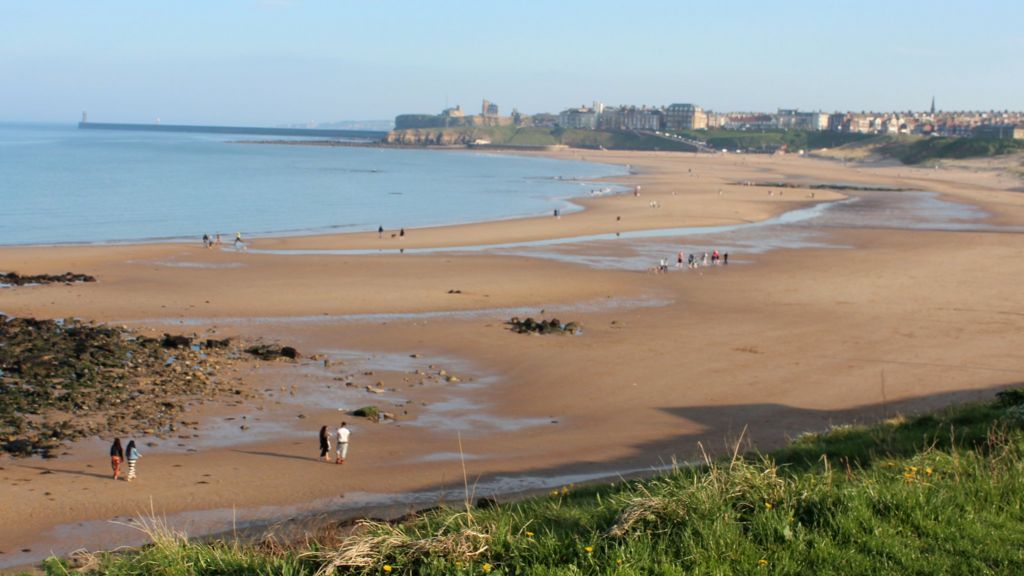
(723, 349)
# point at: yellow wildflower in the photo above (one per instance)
(762, 563)
(529, 534)
(486, 568)
(588, 549)
(387, 568)
(768, 505)
(928, 470)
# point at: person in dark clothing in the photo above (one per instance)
(325, 444)
(116, 457)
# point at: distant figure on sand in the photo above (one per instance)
(380, 232)
(401, 233)
(325, 444)
(679, 260)
(116, 457)
(342, 437)
(218, 239)
(239, 245)
(206, 241)
(725, 258)
(133, 456)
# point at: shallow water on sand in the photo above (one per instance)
(801, 228)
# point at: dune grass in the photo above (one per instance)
(938, 493)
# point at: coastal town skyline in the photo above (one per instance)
(289, 62)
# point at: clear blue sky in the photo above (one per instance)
(291, 61)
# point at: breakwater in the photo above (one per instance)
(373, 135)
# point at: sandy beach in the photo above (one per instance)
(851, 321)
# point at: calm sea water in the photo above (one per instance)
(59, 184)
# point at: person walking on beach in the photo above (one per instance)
(380, 232)
(206, 240)
(342, 437)
(239, 245)
(116, 457)
(725, 259)
(325, 444)
(401, 233)
(679, 260)
(132, 453)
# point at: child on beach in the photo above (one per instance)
(116, 457)
(133, 456)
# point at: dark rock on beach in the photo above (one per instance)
(272, 351)
(552, 326)
(176, 341)
(15, 279)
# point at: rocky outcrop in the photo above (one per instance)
(61, 380)
(15, 279)
(431, 137)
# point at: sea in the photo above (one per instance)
(63, 185)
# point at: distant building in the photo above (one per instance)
(796, 120)
(999, 131)
(453, 112)
(489, 109)
(631, 118)
(580, 118)
(685, 117)
(748, 121)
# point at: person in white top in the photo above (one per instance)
(342, 437)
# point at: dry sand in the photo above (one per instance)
(774, 344)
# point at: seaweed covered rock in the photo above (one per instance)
(552, 326)
(61, 380)
(15, 279)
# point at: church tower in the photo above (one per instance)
(933, 105)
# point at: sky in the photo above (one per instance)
(277, 62)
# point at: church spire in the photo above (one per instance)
(933, 105)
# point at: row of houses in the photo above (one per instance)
(1005, 124)
(600, 117)
(678, 117)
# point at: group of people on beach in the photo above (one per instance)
(210, 241)
(340, 436)
(399, 234)
(119, 455)
(693, 261)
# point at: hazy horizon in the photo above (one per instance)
(282, 62)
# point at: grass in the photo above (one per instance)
(772, 140)
(938, 493)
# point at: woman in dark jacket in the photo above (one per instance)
(325, 444)
(116, 457)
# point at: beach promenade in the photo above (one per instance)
(856, 320)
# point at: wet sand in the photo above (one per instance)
(841, 320)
